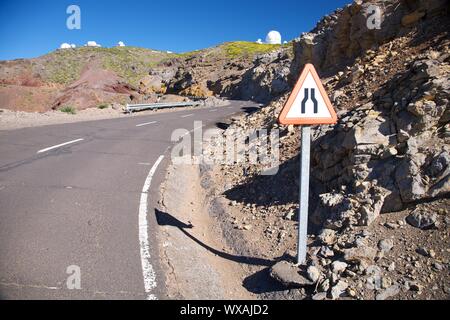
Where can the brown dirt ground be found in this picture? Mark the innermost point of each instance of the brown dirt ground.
(197, 261)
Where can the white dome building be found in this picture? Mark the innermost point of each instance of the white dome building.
(92, 44)
(259, 41)
(121, 44)
(65, 46)
(273, 37)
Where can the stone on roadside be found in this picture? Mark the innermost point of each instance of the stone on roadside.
(385, 245)
(327, 236)
(288, 275)
(338, 289)
(388, 293)
(326, 252)
(313, 273)
(351, 292)
(373, 280)
(290, 215)
(391, 267)
(391, 225)
(338, 266)
(386, 282)
(320, 296)
(363, 254)
(422, 220)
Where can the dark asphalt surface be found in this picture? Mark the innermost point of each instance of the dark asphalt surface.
(78, 204)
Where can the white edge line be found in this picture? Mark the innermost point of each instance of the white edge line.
(146, 123)
(187, 115)
(59, 145)
(147, 268)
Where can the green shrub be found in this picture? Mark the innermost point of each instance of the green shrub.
(247, 49)
(103, 106)
(68, 109)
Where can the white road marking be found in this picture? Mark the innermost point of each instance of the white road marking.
(147, 268)
(59, 145)
(18, 285)
(213, 110)
(146, 123)
(187, 115)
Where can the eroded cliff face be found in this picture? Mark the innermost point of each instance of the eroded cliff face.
(248, 76)
(342, 36)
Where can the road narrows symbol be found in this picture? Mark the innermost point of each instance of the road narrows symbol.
(313, 99)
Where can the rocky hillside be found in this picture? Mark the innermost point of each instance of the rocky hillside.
(380, 176)
(89, 77)
(81, 78)
(237, 70)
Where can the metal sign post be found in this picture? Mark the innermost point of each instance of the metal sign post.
(303, 194)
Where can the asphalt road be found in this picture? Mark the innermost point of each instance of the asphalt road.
(84, 205)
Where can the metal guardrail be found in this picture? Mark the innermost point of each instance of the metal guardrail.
(130, 108)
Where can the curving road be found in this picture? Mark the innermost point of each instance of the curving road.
(77, 195)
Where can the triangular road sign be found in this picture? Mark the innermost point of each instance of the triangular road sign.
(308, 102)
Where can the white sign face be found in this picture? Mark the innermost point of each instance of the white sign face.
(308, 102)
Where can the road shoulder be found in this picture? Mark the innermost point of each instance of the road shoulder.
(197, 260)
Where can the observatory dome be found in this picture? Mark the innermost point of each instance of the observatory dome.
(273, 37)
(65, 46)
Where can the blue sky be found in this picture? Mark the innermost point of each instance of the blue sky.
(30, 28)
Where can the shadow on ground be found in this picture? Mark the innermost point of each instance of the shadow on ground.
(249, 110)
(165, 219)
(259, 282)
(222, 125)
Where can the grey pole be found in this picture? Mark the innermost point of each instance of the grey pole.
(304, 193)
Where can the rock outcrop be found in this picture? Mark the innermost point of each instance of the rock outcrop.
(395, 148)
(259, 77)
(267, 79)
(347, 33)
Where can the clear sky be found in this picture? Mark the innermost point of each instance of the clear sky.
(30, 28)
